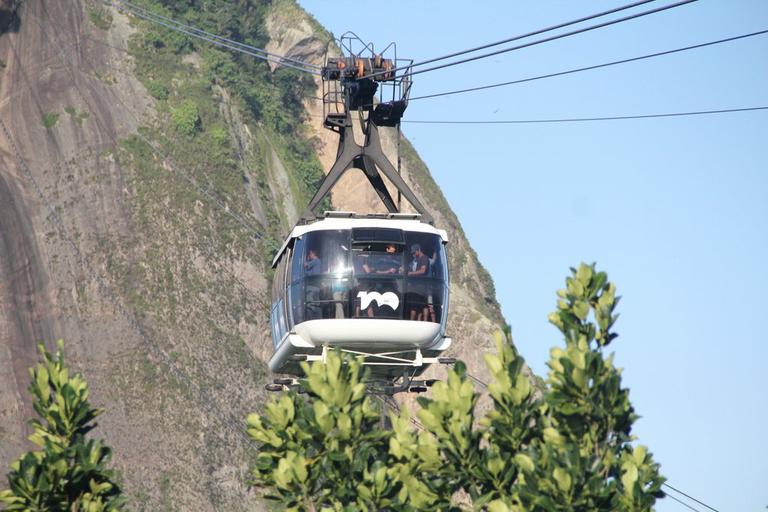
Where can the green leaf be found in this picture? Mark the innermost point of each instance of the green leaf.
(498, 506)
(524, 462)
(580, 309)
(639, 454)
(563, 479)
(628, 478)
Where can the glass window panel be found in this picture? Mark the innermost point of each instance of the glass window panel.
(327, 252)
(296, 294)
(377, 235)
(378, 259)
(378, 297)
(425, 300)
(424, 255)
(275, 326)
(326, 297)
(281, 318)
(438, 266)
(297, 260)
(360, 275)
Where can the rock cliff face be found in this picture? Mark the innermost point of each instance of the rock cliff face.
(146, 247)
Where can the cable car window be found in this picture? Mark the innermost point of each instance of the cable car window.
(378, 296)
(327, 252)
(281, 321)
(326, 274)
(296, 301)
(378, 291)
(378, 258)
(297, 260)
(363, 273)
(425, 269)
(274, 324)
(278, 279)
(377, 235)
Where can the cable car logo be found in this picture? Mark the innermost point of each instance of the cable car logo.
(382, 299)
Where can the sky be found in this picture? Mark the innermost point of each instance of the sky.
(674, 209)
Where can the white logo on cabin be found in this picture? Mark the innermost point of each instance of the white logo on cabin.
(382, 299)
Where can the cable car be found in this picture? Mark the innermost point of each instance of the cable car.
(373, 285)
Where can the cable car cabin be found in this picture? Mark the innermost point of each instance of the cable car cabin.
(371, 286)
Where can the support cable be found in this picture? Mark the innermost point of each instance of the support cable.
(689, 497)
(541, 41)
(590, 119)
(212, 40)
(681, 502)
(215, 36)
(523, 36)
(589, 68)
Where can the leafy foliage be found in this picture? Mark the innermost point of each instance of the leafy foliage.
(330, 452)
(177, 68)
(567, 448)
(68, 472)
(100, 17)
(50, 119)
(186, 117)
(157, 89)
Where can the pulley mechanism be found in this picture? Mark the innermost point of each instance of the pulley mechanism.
(365, 81)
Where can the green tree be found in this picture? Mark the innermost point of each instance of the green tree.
(564, 447)
(328, 452)
(68, 472)
(568, 448)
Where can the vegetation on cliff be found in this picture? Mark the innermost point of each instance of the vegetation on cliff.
(195, 84)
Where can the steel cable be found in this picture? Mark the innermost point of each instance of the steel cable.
(596, 66)
(213, 41)
(216, 36)
(545, 40)
(589, 119)
(518, 37)
(689, 497)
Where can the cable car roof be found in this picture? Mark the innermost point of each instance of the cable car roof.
(348, 220)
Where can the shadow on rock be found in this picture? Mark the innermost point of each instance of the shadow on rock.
(10, 21)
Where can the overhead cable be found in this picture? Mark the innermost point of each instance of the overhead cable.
(521, 36)
(552, 38)
(588, 119)
(589, 68)
(689, 497)
(215, 40)
(682, 502)
(215, 36)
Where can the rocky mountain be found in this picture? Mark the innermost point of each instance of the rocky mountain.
(145, 182)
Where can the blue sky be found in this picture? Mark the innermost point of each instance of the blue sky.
(675, 210)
